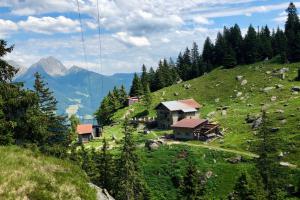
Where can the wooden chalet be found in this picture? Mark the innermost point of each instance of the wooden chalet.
(87, 132)
(195, 129)
(132, 100)
(170, 112)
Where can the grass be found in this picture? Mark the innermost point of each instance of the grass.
(29, 175)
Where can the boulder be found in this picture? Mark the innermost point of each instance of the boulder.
(239, 78)
(102, 194)
(279, 111)
(268, 72)
(296, 88)
(217, 100)
(273, 98)
(257, 122)
(279, 86)
(208, 174)
(153, 144)
(234, 160)
(223, 112)
(244, 82)
(284, 70)
(176, 94)
(238, 94)
(267, 89)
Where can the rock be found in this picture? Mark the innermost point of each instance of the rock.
(295, 93)
(153, 144)
(283, 121)
(274, 129)
(296, 88)
(257, 123)
(102, 194)
(224, 113)
(268, 72)
(234, 160)
(244, 82)
(279, 86)
(280, 154)
(250, 119)
(208, 174)
(284, 70)
(217, 100)
(238, 94)
(273, 98)
(176, 94)
(279, 111)
(215, 161)
(239, 78)
(267, 89)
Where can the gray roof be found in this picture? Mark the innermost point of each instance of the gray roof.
(176, 106)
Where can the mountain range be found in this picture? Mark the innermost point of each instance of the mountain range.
(78, 91)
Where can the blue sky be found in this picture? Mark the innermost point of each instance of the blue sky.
(134, 32)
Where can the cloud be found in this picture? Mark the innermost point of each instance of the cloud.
(202, 20)
(132, 40)
(7, 27)
(50, 25)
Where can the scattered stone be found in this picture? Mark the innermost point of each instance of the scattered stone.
(215, 161)
(279, 86)
(102, 194)
(238, 94)
(153, 144)
(234, 160)
(256, 123)
(274, 129)
(244, 82)
(208, 174)
(239, 78)
(217, 100)
(284, 70)
(283, 121)
(280, 154)
(224, 113)
(273, 98)
(176, 94)
(268, 72)
(295, 93)
(267, 89)
(296, 88)
(279, 111)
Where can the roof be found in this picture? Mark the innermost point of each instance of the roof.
(84, 129)
(188, 123)
(191, 102)
(187, 105)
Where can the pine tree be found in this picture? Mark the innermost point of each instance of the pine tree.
(152, 80)
(250, 46)
(208, 55)
(219, 50)
(265, 44)
(7, 72)
(195, 58)
(144, 78)
(115, 98)
(236, 43)
(186, 65)
(268, 162)
(292, 27)
(130, 184)
(74, 122)
(229, 60)
(248, 188)
(136, 87)
(147, 98)
(123, 96)
(104, 112)
(104, 164)
(279, 45)
(192, 188)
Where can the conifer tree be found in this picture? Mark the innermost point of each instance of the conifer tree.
(250, 46)
(136, 87)
(236, 43)
(74, 122)
(219, 50)
(123, 96)
(248, 188)
(130, 185)
(279, 45)
(265, 44)
(144, 78)
(292, 28)
(192, 188)
(208, 55)
(147, 99)
(229, 60)
(195, 58)
(273, 176)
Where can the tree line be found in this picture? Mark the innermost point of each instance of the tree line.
(230, 49)
(28, 117)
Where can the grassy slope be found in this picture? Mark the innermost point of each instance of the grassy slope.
(159, 166)
(28, 175)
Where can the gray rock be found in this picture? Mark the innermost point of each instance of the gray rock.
(257, 123)
(102, 194)
(224, 113)
(273, 98)
(296, 88)
(284, 70)
(239, 78)
(279, 111)
(235, 160)
(268, 72)
(238, 94)
(279, 86)
(217, 100)
(153, 144)
(267, 89)
(244, 82)
(176, 94)
(208, 174)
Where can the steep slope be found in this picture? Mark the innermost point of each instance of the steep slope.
(28, 175)
(260, 87)
(77, 90)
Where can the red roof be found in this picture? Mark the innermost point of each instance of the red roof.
(191, 102)
(84, 129)
(188, 123)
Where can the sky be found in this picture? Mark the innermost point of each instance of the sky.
(132, 32)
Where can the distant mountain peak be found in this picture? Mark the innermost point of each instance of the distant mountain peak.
(75, 69)
(51, 66)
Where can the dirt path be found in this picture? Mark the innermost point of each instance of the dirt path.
(242, 153)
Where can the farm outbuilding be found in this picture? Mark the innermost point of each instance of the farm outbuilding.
(87, 132)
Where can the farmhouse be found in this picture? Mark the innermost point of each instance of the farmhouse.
(87, 132)
(132, 100)
(195, 129)
(170, 112)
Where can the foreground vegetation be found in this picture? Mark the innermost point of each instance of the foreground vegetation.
(25, 174)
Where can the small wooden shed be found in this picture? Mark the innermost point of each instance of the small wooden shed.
(87, 132)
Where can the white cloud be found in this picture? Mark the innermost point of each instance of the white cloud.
(202, 20)
(7, 27)
(132, 40)
(50, 25)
